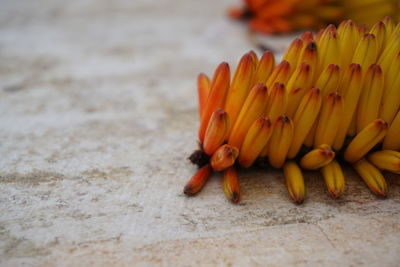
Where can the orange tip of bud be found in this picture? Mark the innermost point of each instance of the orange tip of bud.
(231, 185)
(216, 132)
(196, 183)
(224, 157)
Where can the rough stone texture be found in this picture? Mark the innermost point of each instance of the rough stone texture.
(98, 114)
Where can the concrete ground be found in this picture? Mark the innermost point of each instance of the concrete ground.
(97, 117)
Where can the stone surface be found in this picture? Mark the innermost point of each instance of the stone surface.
(98, 114)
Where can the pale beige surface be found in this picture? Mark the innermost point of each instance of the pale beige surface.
(98, 114)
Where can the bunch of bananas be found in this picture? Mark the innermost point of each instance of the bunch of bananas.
(279, 16)
(334, 97)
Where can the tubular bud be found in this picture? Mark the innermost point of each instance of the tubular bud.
(334, 178)
(231, 185)
(379, 31)
(328, 48)
(366, 52)
(280, 141)
(216, 98)
(224, 157)
(240, 86)
(388, 160)
(329, 120)
(328, 81)
(372, 177)
(317, 158)
(304, 118)
(255, 140)
(216, 132)
(392, 140)
(198, 180)
(348, 40)
(294, 181)
(390, 103)
(292, 53)
(264, 67)
(253, 108)
(365, 140)
(309, 54)
(203, 89)
(277, 101)
(370, 98)
(350, 90)
(280, 74)
(298, 84)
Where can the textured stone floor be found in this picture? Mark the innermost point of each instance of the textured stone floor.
(97, 116)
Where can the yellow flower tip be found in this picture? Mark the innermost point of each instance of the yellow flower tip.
(255, 140)
(231, 185)
(362, 29)
(264, 67)
(203, 89)
(354, 67)
(375, 69)
(253, 56)
(216, 132)
(292, 52)
(317, 158)
(307, 37)
(319, 34)
(335, 193)
(281, 74)
(224, 157)
(216, 99)
(277, 101)
(196, 183)
(348, 23)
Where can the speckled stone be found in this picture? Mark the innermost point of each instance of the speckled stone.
(98, 115)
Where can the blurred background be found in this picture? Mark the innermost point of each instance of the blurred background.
(98, 113)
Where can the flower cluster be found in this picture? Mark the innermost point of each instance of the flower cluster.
(334, 97)
(279, 16)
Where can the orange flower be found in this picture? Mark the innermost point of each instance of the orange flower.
(281, 16)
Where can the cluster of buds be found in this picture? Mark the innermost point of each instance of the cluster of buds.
(335, 97)
(279, 16)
